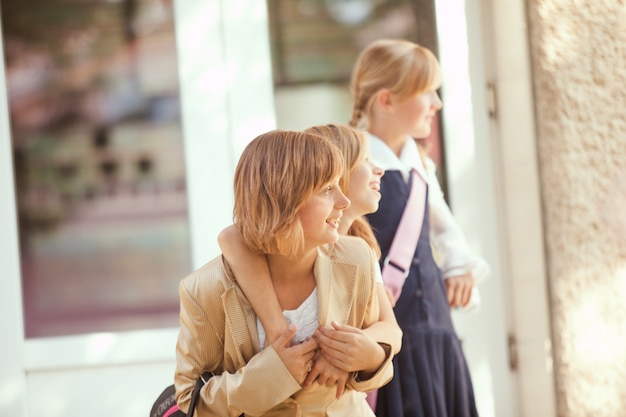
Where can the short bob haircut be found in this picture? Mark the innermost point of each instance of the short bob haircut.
(277, 173)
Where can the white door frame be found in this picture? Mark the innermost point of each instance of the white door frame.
(494, 192)
(474, 198)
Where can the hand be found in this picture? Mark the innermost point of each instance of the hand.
(459, 289)
(349, 349)
(326, 374)
(297, 358)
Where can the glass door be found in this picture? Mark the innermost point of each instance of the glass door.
(98, 163)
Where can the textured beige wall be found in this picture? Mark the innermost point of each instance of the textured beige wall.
(578, 51)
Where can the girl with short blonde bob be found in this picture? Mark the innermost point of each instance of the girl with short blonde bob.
(268, 195)
(287, 207)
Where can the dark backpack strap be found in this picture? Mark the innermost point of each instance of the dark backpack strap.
(203, 379)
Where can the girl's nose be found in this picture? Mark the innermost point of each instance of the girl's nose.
(378, 171)
(437, 101)
(342, 202)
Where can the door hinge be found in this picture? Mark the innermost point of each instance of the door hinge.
(492, 104)
(513, 353)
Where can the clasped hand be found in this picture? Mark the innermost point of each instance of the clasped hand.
(330, 356)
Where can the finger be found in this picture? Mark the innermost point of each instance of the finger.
(307, 370)
(284, 340)
(450, 291)
(309, 345)
(467, 295)
(454, 295)
(340, 388)
(327, 344)
(458, 292)
(327, 337)
(342, 380)
(344, 327)
(332, 348)
(460, 295)
(336, 338)
(310, 378)
(322, 379)
(309, 356)
(465, 291)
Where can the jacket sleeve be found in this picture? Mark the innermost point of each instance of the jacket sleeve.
(385, 372)
(200, 348)
(382, 376)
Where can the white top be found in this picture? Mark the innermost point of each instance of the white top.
(304, 317)
(446, 237)
(379, 275)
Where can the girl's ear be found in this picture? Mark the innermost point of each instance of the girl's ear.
(384, 100)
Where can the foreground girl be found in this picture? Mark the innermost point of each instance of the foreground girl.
(292, 217)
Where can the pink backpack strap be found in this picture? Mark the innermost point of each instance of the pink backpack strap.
(397, 264)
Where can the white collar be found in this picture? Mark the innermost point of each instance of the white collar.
(409, 158)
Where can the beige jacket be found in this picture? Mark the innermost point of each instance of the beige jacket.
(218, 333)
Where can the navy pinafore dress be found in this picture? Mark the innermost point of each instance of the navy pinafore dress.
(431, 378)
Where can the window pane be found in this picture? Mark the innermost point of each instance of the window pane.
(99, 166)
(319, 40)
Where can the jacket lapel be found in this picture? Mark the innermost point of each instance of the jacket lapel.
(336, 287)
(239, 315)
(334, 299)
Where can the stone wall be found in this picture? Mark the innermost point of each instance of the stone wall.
(579, 68)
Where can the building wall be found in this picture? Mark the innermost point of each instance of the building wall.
(578, 51)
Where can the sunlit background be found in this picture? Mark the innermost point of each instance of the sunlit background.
(121, 122)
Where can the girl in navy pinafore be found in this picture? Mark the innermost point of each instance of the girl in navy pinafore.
(432, 379)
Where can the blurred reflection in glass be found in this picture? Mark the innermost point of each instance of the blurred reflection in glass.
(99, 166)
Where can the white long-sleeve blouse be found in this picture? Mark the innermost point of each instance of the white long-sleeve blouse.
(453, 253)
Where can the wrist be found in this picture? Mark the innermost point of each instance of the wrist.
(383, 354)
(274, 330)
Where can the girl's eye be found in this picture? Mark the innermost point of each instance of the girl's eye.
(328, 190)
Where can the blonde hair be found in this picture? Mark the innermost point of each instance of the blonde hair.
(353, 146)
(400, 66)
(277, 172)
